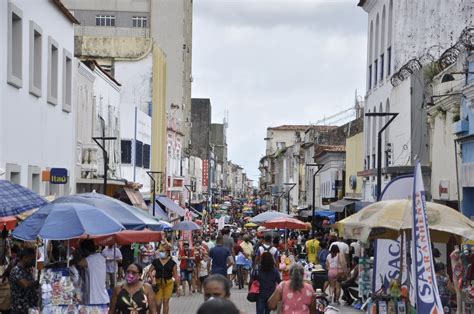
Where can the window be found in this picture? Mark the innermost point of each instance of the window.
(53, 57)
(105, 20)
(146, 156)
(15, 46)
(373, 161)
(370, 77)
(139, 21)
(67, 81)
(138, 154)
(375, 72)
(126, 151)
(381, 66)
(368, 162)
(389, 60)
(34, 178)
(36, 58)
(13, 173)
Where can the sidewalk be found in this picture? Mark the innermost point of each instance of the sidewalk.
(190, 303)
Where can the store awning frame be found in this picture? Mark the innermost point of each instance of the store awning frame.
(340, 205)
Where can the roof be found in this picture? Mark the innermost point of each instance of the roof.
(285, 127)
(65, 11)
(330, 149)
(92, 64)
(321, 128)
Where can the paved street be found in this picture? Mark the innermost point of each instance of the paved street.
(190, 303)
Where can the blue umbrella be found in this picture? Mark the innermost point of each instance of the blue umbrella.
(130, 217)
(66, 221)
(16, 199)
(186, 226)
(268, 215)
(165, 225)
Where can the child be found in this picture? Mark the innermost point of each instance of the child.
(204, 267)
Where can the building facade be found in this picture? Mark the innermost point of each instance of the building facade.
(37, 123)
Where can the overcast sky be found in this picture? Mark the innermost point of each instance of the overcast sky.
(273, 62)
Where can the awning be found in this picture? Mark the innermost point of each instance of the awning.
(307, 212)
(159, 212)
(168, 203)
(361, 204)
(135, 197)
(340, 205)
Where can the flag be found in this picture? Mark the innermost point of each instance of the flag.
(427, 298)
(387, 264)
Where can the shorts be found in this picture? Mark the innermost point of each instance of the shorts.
(202, 278)
(166, 289)
(186, 275)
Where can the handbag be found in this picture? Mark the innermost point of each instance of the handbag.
(5, 296)
(254, 288)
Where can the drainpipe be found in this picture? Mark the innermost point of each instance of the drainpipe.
(134, 148)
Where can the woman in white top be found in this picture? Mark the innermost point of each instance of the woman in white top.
(336, 272)
(203, 271)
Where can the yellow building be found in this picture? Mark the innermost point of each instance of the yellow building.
(354, 164)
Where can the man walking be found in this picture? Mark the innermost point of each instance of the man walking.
(113, 256)
(221, 258)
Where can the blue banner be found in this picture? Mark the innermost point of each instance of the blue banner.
(427, 295)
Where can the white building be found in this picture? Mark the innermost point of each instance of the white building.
(37, 122)
(403, 36)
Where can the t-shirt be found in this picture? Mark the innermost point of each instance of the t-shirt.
(247, 247)
(219, 255)
(357, 248)
(312, 248)
(296, 302)
(22, 298)
(333, 261)
(111, 260)
(95, 279)
(343, 247)
(228, 242)
(203, 268)
(183, 264)
(268, 282)
(267, 248)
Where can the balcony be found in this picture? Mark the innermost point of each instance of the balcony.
(111, 31)
(460, 126)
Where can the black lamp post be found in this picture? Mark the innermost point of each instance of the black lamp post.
(291, 185)
(313, 206)
(150, 174)
(105, 156)
(393, 115)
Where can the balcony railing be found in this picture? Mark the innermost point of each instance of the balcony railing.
(111, 31)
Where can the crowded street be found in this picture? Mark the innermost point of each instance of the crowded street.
(236, 156)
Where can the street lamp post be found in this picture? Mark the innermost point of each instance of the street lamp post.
(291, 185)
(150, 174)
(190, 188)
(105, 156)
(393, 115)
(313, 206)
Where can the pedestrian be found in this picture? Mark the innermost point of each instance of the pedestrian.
(445, 286)
(335, 272)
(95, 270)
(351, 282)
(113, 257)
(218, 306)
(221, 258)
(24, 288)
(268, 277)
(227, 241)
(312, 249)
(134, 296)
(186, 267)
(323, 253)
(147, 255)
(216, 286)
(267, 247)
(203, 270)
(296, 295)
(164, 269)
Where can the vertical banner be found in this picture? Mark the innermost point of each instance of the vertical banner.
(423, 274)
(387, 264)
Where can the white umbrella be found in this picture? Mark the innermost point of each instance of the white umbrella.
(268, 215)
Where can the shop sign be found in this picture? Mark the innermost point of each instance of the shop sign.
(443, 189)
(205, 172)
(58, 176)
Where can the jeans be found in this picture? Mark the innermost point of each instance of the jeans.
(262, 307)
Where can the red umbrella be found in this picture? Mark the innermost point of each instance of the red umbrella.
(126, 237)
(285, 223)
(9, 222)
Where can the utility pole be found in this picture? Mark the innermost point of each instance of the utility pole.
(292, 185)
(104, 154)
(393, 115)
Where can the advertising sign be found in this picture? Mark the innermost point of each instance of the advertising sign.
(58, 176)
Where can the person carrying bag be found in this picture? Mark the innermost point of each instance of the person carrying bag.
(254, 286)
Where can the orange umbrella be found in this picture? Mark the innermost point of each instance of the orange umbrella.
(9, 222)
(126, 237)
(285, 223)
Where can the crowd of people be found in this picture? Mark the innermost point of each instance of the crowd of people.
(292, 269)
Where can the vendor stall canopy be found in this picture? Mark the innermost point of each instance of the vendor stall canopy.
(16, 199)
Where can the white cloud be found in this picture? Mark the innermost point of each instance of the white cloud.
(275, 62)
